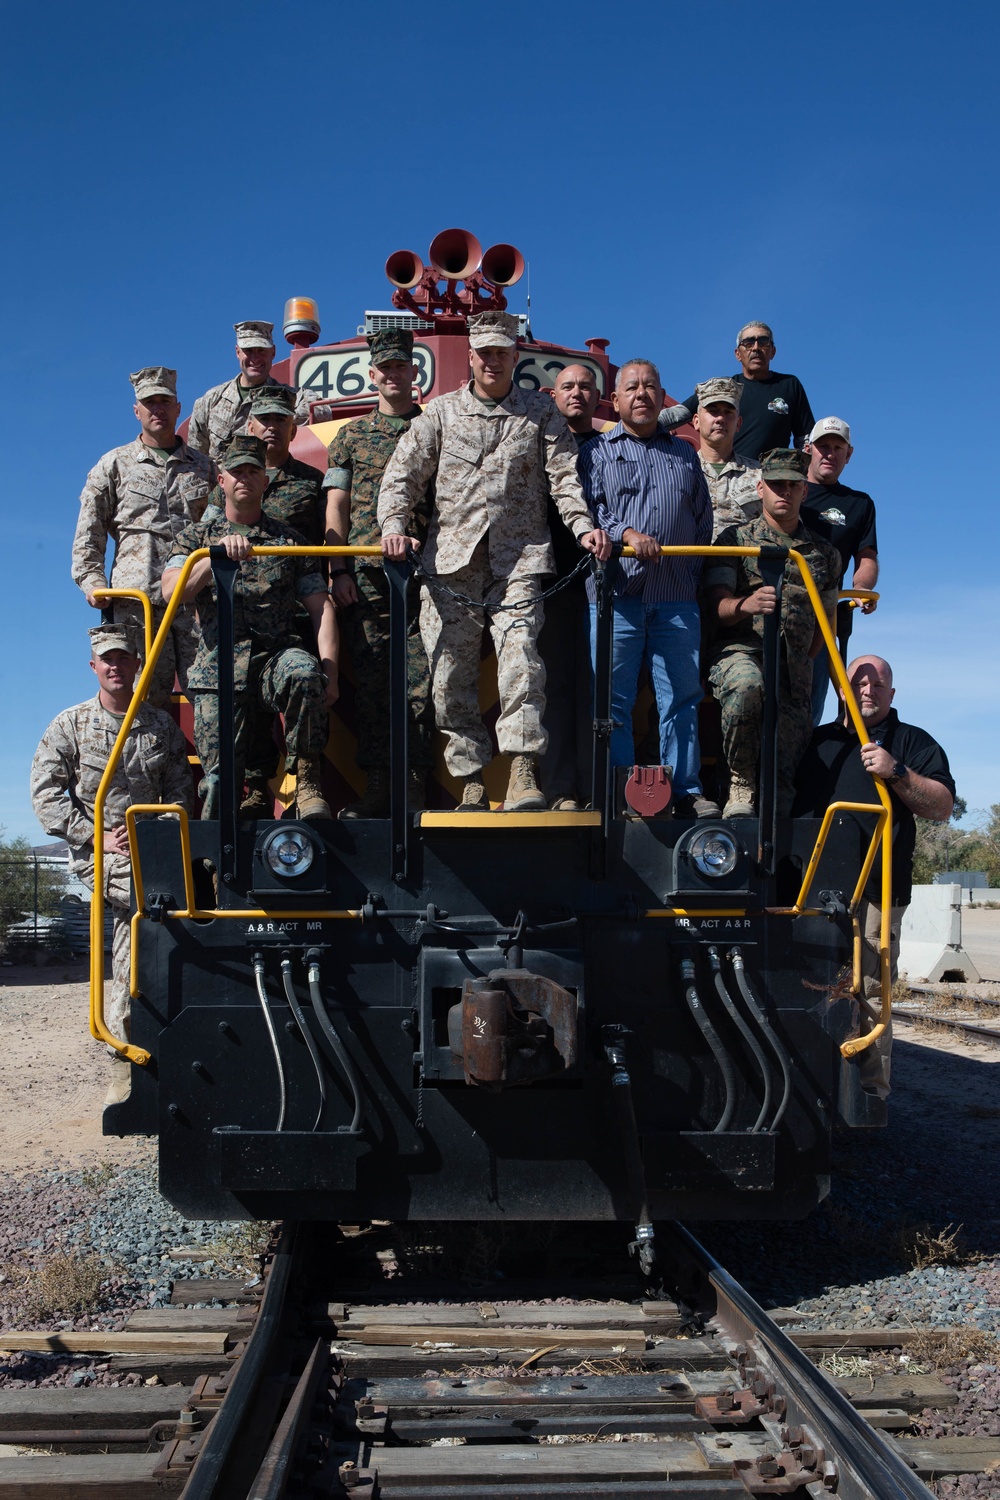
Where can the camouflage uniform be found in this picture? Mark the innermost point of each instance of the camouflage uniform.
(733, 490)
(736, 671)
(358, 457)
(493, 466)
(65, 775)
(222, 414)
(272, 671)
(142, 501)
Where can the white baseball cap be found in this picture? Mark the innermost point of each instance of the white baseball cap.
(830, 427)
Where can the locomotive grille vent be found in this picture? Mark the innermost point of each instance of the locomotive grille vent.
(376, 321)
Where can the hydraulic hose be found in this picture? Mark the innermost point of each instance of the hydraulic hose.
(258, 970)
(307, 1036)
(747, 1035)
(340, 1051)
(711, 1036)
(757, 1011)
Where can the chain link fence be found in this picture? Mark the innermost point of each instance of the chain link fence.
(44, 910)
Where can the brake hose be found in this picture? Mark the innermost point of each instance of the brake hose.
(711, 1036)
(758, 1014)
(258, 970)
(745, 1032)
(307, 1036)
(341, 1052)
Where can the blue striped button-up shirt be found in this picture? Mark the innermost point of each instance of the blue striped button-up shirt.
(656, 486)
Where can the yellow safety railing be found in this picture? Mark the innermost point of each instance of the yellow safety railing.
(147, 612)
(98, 1026)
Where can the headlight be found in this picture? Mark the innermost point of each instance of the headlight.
(714, 852)
(288, 851)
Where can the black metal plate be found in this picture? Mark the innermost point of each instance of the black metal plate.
(265, 1161)
(702, 1159)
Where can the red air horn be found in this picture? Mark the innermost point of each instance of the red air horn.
(503, 265)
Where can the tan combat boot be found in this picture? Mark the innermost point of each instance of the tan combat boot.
(740, 804)
(474, 798)
(121, 1082)
(258, 802)
(309, 799)
(523, 792)
(375, 802)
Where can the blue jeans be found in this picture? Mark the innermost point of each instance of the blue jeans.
(667, 637)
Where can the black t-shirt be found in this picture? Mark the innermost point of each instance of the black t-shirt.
(564, 544)
(846, 518)
(831, 771)
(775, 412)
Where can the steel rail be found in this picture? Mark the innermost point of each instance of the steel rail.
(208, 1473)
(276, 1472)
(936, 1020)
(869, 1469)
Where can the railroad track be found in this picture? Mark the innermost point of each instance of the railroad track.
(393, 1392)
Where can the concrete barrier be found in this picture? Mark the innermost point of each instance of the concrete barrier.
(930, 946)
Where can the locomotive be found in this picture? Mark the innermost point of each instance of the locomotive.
(609, 1014)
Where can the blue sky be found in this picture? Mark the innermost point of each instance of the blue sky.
(669, 172)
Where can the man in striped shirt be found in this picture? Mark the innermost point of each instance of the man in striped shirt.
(647, 491)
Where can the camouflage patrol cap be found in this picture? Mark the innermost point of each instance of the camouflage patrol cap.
(245, 450)
(105, 638)
(271, 398)
(254, 335)
(784, 463)
(154, 380)
(724, 388)
(493, 330)
(389, 344)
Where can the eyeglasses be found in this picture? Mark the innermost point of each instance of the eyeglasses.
(759, 340)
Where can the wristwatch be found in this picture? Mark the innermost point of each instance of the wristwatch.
(899, 772)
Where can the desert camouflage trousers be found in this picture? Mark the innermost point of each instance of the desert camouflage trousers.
(366, 625)
(118, 896)
(452, 634)
(737, 678)
(289, 683)
(177, 656)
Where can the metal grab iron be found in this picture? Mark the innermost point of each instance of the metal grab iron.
(514, 1027)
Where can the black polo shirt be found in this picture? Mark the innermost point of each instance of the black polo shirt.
(831, 771)
(775, 412)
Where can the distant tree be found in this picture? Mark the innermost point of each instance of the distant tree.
(21, 877)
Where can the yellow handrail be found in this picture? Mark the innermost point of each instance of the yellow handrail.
(98, 1027)
(147, 611)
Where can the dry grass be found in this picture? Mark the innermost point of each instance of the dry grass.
(938, 1348)
(239, 1249)
(66, 1284)
(97, 1176)
(920, 1246)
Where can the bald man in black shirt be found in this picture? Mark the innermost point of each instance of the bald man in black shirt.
(835, 768)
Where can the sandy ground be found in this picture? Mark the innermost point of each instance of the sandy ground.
(981, 939)
(53, 1075)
